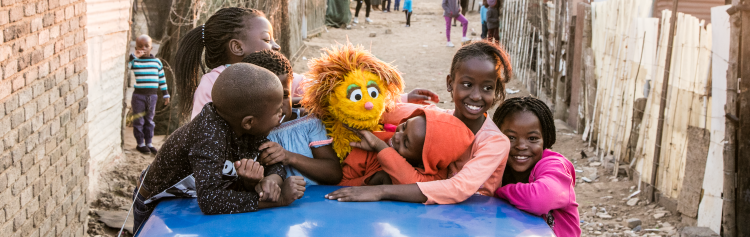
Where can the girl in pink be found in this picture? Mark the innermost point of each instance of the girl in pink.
(476, 82)
(537, 179)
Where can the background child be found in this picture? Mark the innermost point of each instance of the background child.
(395, 5)
(476, 82)
(298, 139)
(419, 151)
(228, 36)
(537, 179)
(367, 11)
(493, 21)
(407, 11)
(451, 10)
(483, 18)
(209, 158)
(149, 79)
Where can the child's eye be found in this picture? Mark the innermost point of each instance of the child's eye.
(488, 88)
(533, 139)
(511, 138)
(466, 84)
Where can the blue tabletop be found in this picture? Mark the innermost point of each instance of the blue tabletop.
(313, 215)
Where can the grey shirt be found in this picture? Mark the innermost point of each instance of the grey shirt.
(451, 8)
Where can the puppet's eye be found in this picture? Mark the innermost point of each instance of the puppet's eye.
(356, 95)
(373, 91)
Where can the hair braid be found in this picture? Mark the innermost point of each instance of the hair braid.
(530, 104)
(489, 51)
(220, 28)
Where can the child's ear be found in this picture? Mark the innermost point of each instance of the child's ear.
(235, 48)
(449, 83)
(247, 122)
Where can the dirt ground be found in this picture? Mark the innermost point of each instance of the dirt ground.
(419, 52)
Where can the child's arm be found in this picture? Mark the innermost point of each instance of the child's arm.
(358, 167)
(324, 167)
(163, 84)
(402, 172)
(548, 192)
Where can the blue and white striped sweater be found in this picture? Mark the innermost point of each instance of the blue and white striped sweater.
(149, 76)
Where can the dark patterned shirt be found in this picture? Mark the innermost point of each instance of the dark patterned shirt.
(197, 160)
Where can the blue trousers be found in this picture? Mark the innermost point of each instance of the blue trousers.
(395, 4)
(143, 109)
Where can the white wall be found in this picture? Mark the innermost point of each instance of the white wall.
(107, 38)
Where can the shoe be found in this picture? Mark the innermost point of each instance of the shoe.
(153, 150)
(356, 21)
(450, 44)
(454, 24)
(143, 149)
(368, 20)
(407, 26)
(465, 39)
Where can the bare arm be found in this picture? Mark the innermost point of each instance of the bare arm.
(404, 193)
(324, 167)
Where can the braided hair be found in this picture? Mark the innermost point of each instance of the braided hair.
(489, 51)
(223, 26)
(271, 60)
(530, 104)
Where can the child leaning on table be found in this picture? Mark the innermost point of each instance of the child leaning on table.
(212, 157)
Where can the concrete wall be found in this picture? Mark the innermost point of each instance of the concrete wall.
(44, 159)
(107, 38)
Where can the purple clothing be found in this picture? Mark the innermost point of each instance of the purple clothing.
(143, 109)
(451, 8)
(460, 18)
(550, 190)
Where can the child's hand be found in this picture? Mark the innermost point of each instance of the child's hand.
(369, 142)
(422, 96)
(268, 189)
(139, 53)
(357, 194)
(380, 177)
(250, 172)
(273, 153)
(166, 101)
(292, 189)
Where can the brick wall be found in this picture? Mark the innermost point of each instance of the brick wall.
(43, 173)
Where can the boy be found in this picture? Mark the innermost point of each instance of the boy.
(211, 157)
(419, 151)
(149, 78)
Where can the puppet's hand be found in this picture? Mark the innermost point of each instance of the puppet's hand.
(422, 96)
(357, 194)
(369, 142)
(380, 177)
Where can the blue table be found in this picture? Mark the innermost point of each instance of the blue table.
(313, 215)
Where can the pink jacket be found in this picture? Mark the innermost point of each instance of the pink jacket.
(479, 170)
(551, 188)
(202, 94)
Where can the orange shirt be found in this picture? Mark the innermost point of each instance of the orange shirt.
(479, 170)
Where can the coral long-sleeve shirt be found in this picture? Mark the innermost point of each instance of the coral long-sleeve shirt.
(551, 189)
(479, 170)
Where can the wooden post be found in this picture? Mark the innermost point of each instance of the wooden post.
(742, 50)
(663, 102)
(558, 50)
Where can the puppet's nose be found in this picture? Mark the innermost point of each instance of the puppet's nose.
(368, 105)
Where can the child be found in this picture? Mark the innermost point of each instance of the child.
(228, 36)
(407, 11)
(298, 139)
(419, 151)
(483, 19)
(537, 179)
(386, 5)
(209, 158)
(493, 21)
(476, 82)
(367, 11)
(149, 79)
(451, 10)
(395, 4)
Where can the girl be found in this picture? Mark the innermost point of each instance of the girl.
(537, 179)
(367, 11)
(228, 36)
(407, 11)
(476, 82)
(451, 10)
(493, 20)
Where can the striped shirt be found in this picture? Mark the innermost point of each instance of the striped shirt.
(149, 76)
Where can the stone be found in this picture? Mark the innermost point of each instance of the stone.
(595, 164)
(632, 223)
(590, 172)
(387, 32)
(587, 180)
(597, 232)
(604, 216)
(373, 34)
(692, 231)
(114, 219)
(637, 228)
(659, 215)
(632, 202)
